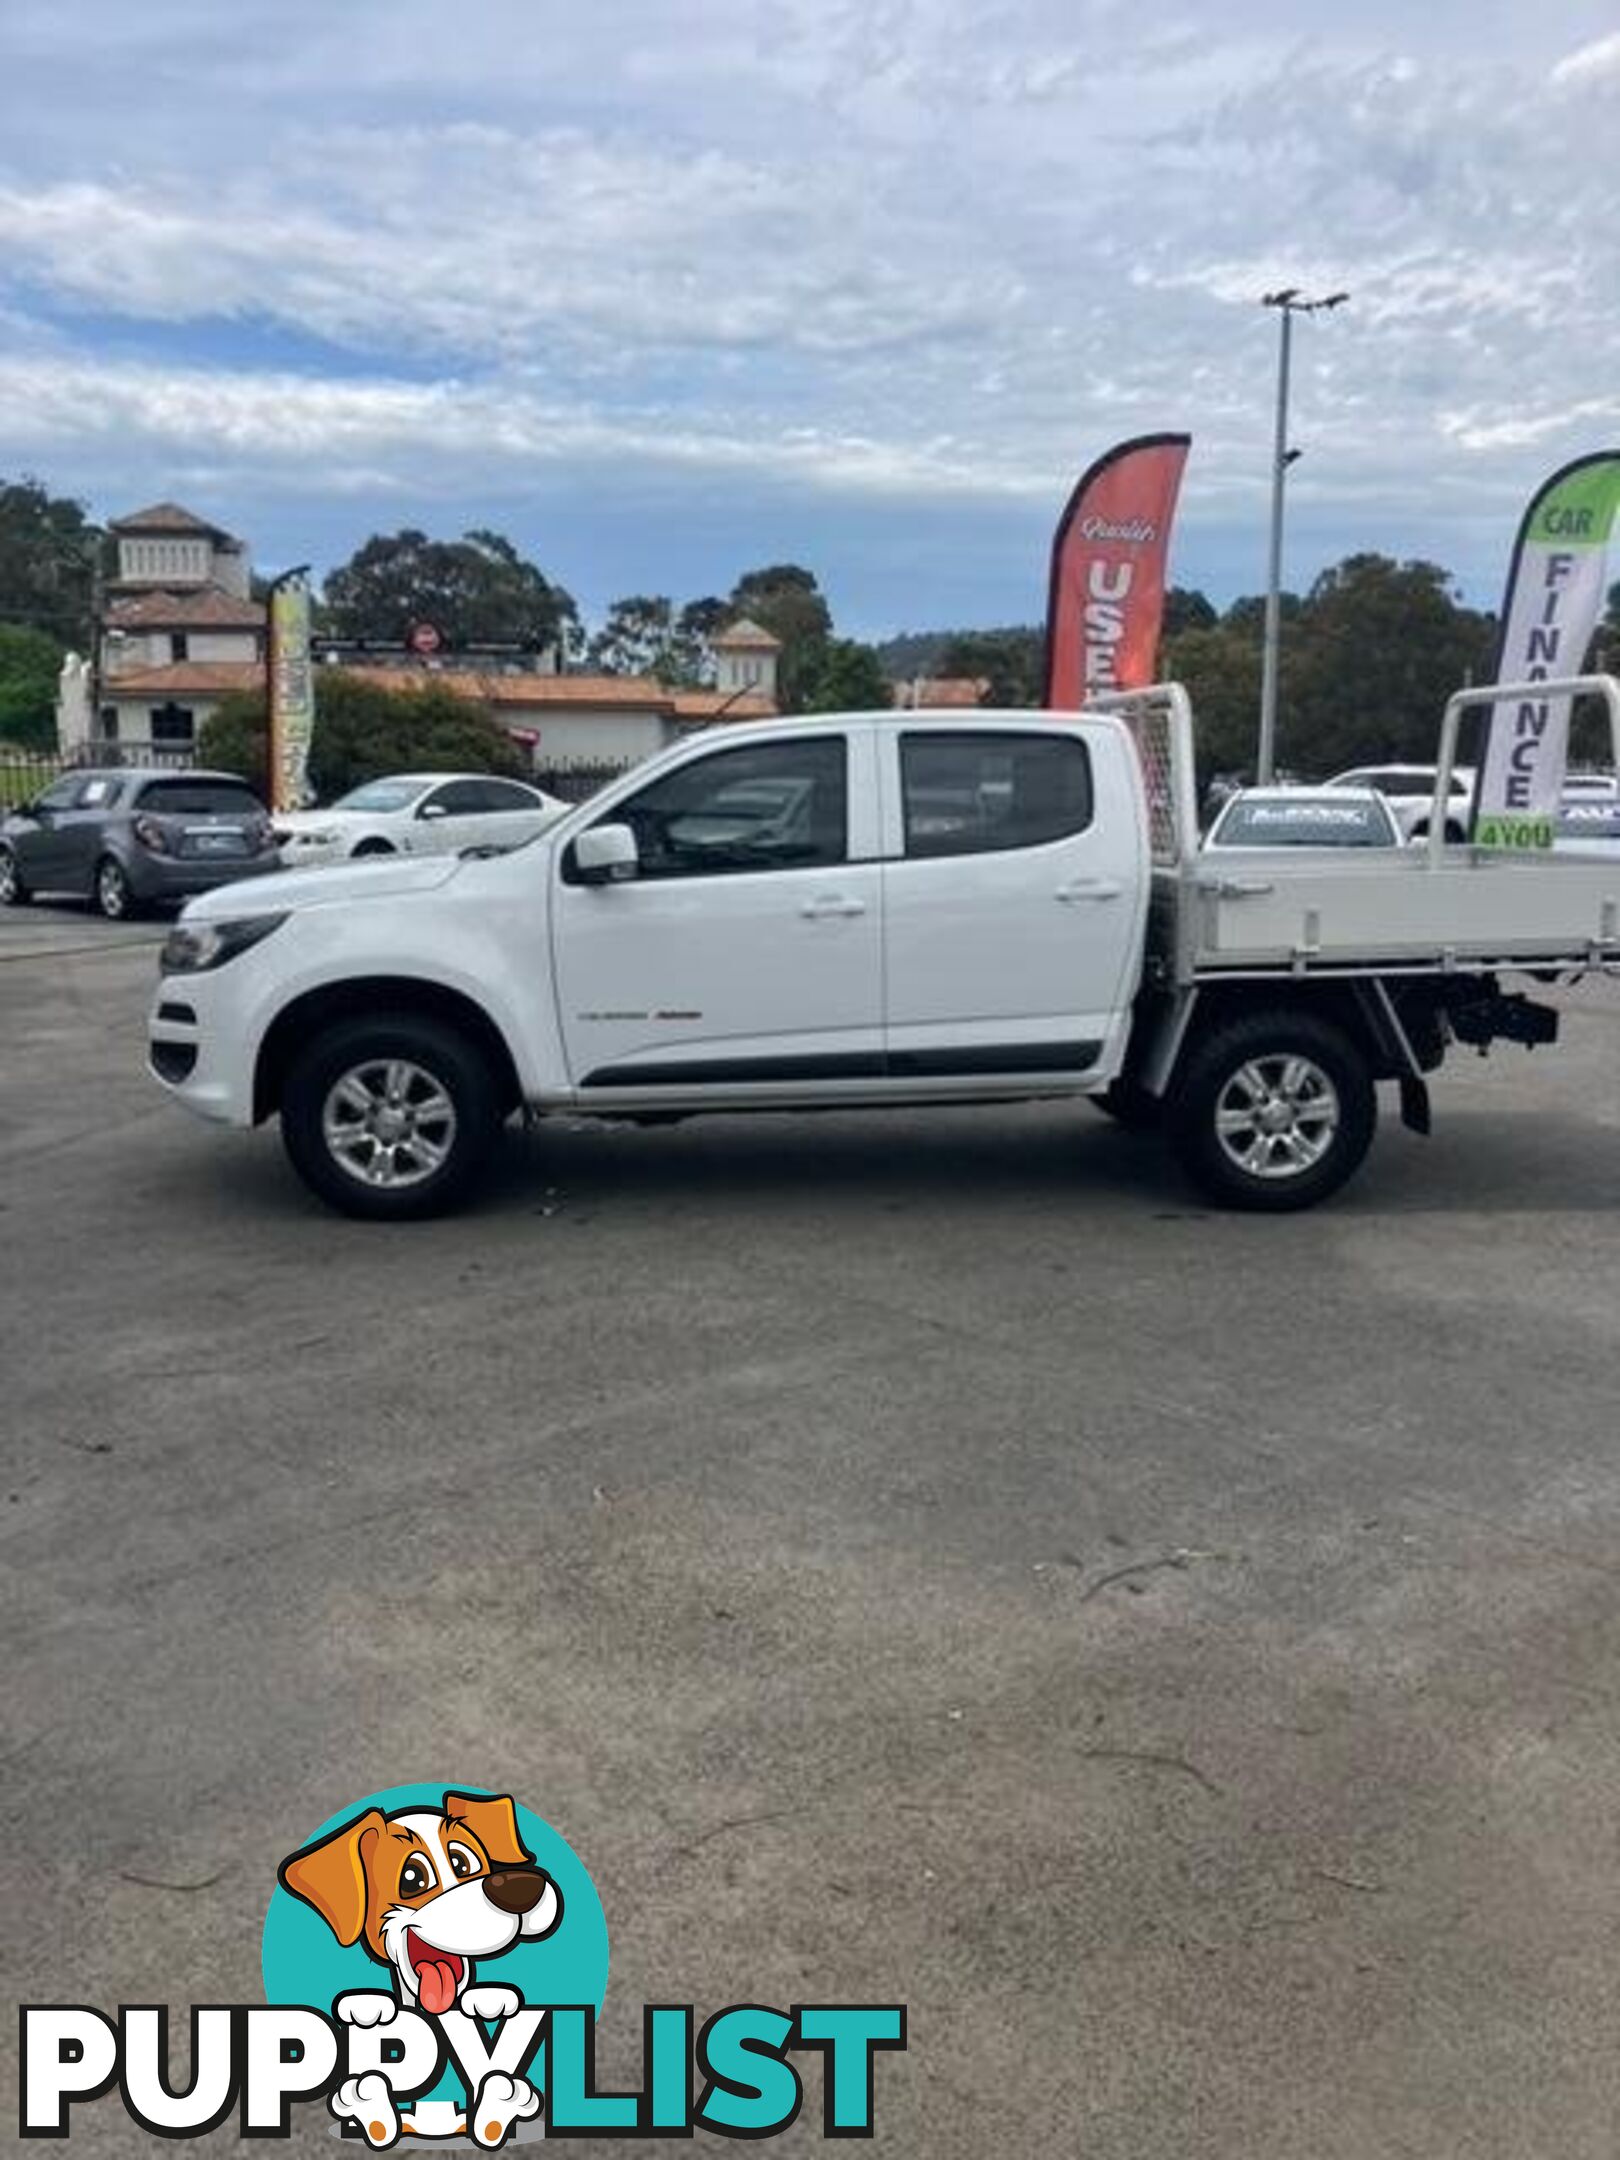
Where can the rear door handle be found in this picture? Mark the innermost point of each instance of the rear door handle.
(1089, 888)
(826, 905)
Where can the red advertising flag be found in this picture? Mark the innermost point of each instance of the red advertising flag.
(1108, 571)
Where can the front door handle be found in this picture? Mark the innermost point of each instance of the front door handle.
(826, 905)
(1089, 888)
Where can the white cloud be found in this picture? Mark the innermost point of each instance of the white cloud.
(1590, 63)
(925, 250)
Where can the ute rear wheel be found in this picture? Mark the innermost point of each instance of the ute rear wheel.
(1274, 1111)
(391, 1117)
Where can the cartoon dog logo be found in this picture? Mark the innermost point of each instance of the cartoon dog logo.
(427, 1891)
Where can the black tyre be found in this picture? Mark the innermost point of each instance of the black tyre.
(374, 847)
(13, 891)
(391, 1117)
(109, 891)
(1274, 1111)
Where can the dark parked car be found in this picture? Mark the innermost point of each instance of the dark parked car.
(126, 837)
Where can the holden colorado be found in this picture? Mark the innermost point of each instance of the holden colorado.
(868, 911)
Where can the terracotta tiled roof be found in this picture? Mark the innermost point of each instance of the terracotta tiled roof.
(711, 705)
(202, 607)
(167, 517)
(605, 693)
(745, 636)
(941, 691)
(195, 678)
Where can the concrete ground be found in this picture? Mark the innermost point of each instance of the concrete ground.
(928, 1558)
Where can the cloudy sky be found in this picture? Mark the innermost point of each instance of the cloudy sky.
(666, 288)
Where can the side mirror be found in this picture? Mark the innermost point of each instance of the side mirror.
(432, 809)
(606, 855)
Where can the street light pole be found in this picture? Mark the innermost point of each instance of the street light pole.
(1288, 304)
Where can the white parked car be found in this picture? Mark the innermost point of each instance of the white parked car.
(1589, 817)
(1409, 791)
(418, 814)
(1304, 817)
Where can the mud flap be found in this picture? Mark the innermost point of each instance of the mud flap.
(1415, 1114)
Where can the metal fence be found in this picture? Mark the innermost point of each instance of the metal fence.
(26, 773)
(575, 778)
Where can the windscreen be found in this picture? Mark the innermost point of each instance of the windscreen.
(381, 795)
(1312, 821)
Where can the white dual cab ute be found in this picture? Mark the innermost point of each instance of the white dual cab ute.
(868, 911)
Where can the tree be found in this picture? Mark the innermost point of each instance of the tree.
(1187, 610)
(30, 661)
(363, 731)
(1013, 662)
(637, 638)
(1372, 656)
(1221, 669)
(49, 556)
(785, 599)
(477, 589)
(851, 680)
(1247, 617)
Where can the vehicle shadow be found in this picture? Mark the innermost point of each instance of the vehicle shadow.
(749, 1165)
(953, 1162)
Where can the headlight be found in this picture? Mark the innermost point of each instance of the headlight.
(324, 838)
(189, 948)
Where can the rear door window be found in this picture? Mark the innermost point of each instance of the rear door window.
(458, 798)
(968, 794)
(199, 798)
(507, 795)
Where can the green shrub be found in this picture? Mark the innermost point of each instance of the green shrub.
(363, 731)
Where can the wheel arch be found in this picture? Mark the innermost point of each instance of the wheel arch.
(372, 996)
(1346, 1004)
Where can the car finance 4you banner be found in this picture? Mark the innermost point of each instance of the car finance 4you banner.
(435, 1959)
(1554, 597)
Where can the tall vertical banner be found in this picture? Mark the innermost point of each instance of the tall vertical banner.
(1105, 603)
(1554, 597)
(292, 695)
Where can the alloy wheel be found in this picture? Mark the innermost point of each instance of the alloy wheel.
(388, 1123)
(1277, 1116)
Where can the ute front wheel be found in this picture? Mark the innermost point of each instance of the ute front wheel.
(391, 1118)
(1274, 1111)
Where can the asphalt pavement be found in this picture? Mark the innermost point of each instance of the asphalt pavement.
(927, 1558)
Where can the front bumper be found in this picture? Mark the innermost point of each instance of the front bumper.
(177, 877)
(195, 1047)
(299, 852)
